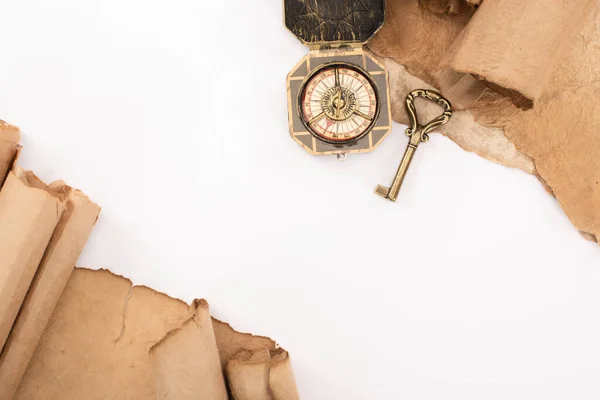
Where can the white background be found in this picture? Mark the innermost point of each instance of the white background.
(173, 117)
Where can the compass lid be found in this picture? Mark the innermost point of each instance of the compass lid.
(334, 21)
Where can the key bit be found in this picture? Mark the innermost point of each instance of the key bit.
(417, 133)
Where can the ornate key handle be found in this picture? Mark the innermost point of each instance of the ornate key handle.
(418, 133)
(431, 125)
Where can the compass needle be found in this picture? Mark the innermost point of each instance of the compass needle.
(316, 118)
(363, 115)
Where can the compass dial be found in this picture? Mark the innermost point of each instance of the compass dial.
(339, 103)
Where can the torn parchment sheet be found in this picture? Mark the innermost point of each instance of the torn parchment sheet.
(29, 213)
(67, 242)
(9, 146)
(559, 132)
(103, 323)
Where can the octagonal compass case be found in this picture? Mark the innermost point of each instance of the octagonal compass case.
(338, 95)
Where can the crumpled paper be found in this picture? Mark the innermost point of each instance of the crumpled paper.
(555, 75)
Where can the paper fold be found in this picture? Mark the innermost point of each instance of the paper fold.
(29, 213)
(9, 147)
(186, 362)
(60, 257)
(515, 45)
(262, 374)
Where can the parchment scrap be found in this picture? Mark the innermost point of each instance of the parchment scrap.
(9, 146)
(248, 375)
(58, 262)
(230, 342)
(186, 361)
(487, 142)
(29, 212)
(563, 155)
(516, 44)
(281, 377)
(96, 343)
(417, 38)
(262, 374)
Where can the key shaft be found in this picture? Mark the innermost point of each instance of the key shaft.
(391, 193)
(418, 133)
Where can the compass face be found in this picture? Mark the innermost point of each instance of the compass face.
(339, 103)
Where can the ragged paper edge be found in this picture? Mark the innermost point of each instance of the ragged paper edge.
(9, 148)
(464, 130)
(230, 341)
(66, 244)
(41, 373)
(262, 374)
(424, 57)
(29, 215)
(122, 321)
(461, 129)
(507, 66)
(186, 361)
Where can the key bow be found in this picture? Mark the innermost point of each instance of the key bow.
(415, 126)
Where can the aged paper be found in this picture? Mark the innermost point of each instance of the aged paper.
(97, 342)
(262, 374)
(29, 213)
(559, 132)
(230, 342)
(9, 145)
(486, 141)
(516, 44)
(65, 246)
(186, 361)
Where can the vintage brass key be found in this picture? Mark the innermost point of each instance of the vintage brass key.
(418, 133)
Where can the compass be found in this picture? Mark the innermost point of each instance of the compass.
(339, 103)
(338, 95)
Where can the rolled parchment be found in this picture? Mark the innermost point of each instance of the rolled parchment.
(29, 213)
(186, 362)
(65, 246)
(230, 341)
(262, 374)
(515, 45)
(9, 146)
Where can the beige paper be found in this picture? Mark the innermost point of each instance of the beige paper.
(29, 213)
(97, 341)
(186, 362)
(9, 145)
(230, 342)
(558, 134)
(449, 7)
(58, 262)
(281, 377)
(262, 374)
(418, 39)
(488, 142)
(516, 44)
